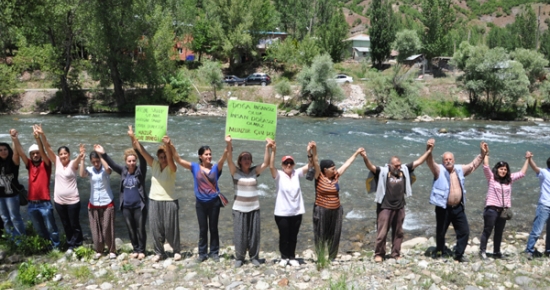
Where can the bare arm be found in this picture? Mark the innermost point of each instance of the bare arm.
(526, 163)
(78, 159)
(137, 145)
(17, 146)
(348, 162)
(429, 148)
(434, 168)
(272, 161)
(82, 171)
(529, 157)
(166, 140)
(49, 151)
(43, 154)
(472, 166)
(222, 160)
(265, 164)
(314, 160)
(106, 166)
(15, 157)
(186, 164)
(367, 162)
(230, 163)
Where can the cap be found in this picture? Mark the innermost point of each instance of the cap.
(33, 147)
(287, 157)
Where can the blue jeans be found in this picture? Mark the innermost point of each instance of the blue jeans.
(541, 217)
(43, 221)
(9, 210)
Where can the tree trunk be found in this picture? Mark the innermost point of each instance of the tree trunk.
(117, 84)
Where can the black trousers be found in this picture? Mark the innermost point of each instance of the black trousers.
(457, 216)
(491, 220)
(208, 214)
(136, 219)
(70, 218)
(289, 226)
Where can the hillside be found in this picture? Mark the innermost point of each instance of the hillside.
(473, 12)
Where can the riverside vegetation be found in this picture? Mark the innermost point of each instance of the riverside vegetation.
(354, 270)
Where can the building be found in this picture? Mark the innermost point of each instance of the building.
(359, 46)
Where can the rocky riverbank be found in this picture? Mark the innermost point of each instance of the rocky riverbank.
(355, 270)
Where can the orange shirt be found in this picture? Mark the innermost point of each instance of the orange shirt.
(327, 192)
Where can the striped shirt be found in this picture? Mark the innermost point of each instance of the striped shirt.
(497, 190)
(326, 192)
(246, 190)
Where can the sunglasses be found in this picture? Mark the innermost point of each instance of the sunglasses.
(288, 163)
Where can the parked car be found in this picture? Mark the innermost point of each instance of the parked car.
(258, 79)
(232, 80)
(342, 78)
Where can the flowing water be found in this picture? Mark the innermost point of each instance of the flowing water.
(336, 139)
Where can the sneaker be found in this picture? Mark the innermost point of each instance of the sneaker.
(238, 263)
(529, 256)
(97, 256)
(69, 252)
(483, 255)
(201, 258)
(177, 256)
(256, 262)
(141, 256)
(133, 255)
(215, 257)
(461, 259)
(294, 263)
(112, 256)
(156, 258)
(283, 263)
(378, 259)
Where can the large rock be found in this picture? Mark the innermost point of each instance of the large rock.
(418, 241)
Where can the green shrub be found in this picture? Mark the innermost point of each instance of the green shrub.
(31, 274)
(444, 108)
(27, 245)
(84, 252)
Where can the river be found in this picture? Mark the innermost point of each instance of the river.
(336, 139)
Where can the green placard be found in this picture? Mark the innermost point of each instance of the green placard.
(151, 123)
(251, 120)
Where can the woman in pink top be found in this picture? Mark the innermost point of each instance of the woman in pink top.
(499, 196)
(66, 197)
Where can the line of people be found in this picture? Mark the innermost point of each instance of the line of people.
(391, 183)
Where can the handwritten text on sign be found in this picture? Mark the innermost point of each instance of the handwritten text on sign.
(250, 120)
(151, 123)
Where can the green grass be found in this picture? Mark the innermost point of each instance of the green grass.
(32, 274)
(84, 252)
(81, 273)
(442, 108)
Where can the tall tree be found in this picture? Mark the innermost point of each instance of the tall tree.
(333, 34)
(438, 18)
(407, 43)
(295, 16)
(381, 31)
(525, 28)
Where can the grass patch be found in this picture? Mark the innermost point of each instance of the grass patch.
(6, 285)
(323, 261)
(81, 273)
(127, 267)
(443, 108)
(31, 274)
(84, 252)
(340, 284)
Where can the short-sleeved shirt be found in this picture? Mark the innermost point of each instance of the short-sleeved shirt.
(327, 192)
(65, 190)
(163, 183)
(39, 181)
(204, 188)
(131, 197)
(395, 189)
(100, 186)
(289, 201)
(246, 190)
(544, 178)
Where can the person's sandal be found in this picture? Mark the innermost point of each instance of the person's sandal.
(141, 256)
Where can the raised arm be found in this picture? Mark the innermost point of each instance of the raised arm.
(171, 164)
(17, 148)
(312, 158)
(368, 164)
(529, 157)
(49, 151)
(82, 171)
(81, 156)
(526, 163)
(99, 149)
(272, 160)
(348, 162)
(186, 164)
(105, 165)
(315, 159)
(138, 147)
(45, 158)
(264, 164)
(472, 166)
(230, 163)
(434, 168)
(222, 159)
(429, 148)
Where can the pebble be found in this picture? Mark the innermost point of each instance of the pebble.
(106, 286)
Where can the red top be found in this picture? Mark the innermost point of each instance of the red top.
(39, 181)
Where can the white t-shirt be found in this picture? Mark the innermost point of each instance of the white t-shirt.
(289, 201)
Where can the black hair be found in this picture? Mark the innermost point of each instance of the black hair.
(10, 151)
(94, 154)
(64, 148)
(506, 179)
(7, 164)
(548, 162)
(202, 150)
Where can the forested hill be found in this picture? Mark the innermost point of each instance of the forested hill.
(474, 13)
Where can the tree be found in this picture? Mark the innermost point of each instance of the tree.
(407, 43)
(525, 28)
(545, 43)
(438, 18)
(332, 35)
(179, 87)
(501, 37)
(381, 32)
(494, 81)
(533, 63)
(211, 73)
(295, 16)
(7, 83)
(202, 38)
(318, 85)
(292, 52)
